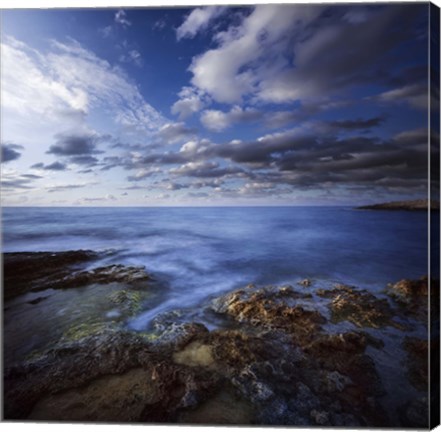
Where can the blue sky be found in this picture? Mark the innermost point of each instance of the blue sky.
(260, 105)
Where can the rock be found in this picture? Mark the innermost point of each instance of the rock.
(103, 372)
(176, 336)
(270, 309)
(416, 413)
(359, 307)
(305, 282)
(336, 382)
(105, 275)
(224, 408)
(195, 354)
(26, 271)
(405, 290)
(113, 398)
(320, 417)
(81, 356)
(412, 296)
(129, 301)
(37, 271)
(276, 361)
(422, 205)
(417, 361)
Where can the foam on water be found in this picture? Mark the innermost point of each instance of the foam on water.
(199, 252)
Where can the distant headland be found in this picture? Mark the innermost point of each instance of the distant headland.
(422, 204)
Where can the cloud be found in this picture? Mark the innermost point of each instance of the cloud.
(225, 73)
(175, 132)
(191, 100)
(55, 166)
(105, 32)
(143, 174)
(121, 18)
(159, 25)
(73, 145)
(68, 186)
(205, 169)
(68, 82)
(12, 181)
(198, 20)
(218, 121)
(285, 53)
(132, 56)
(10, 153)
(84, 160)
(358, 123)
(416, 95)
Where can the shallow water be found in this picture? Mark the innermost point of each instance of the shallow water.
(201, 252)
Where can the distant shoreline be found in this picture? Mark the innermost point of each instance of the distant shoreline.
(415, 205)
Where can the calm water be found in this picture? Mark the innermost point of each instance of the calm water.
(200, 252)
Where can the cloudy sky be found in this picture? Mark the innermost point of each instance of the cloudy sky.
(260, 105)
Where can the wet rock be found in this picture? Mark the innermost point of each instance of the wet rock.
(412, 296)
(305, 283)
(270, 309)
(105, 275)
(26, 271)
(336, 382)
(80, 357)
(195, 354)
(415, 414)
(223, 408)
(113, 398)
(176, 336)
(278, 362)
(320, 417)
(417, 361)
(38, 300)
(359, 307)
(405, 290)
(128, 301)
(37, 271)
(96, 369)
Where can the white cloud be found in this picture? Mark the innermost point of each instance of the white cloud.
(415, 95)
(249, 52)
(174, 132)
(215, 120)
(105, 32)
(64, 85)
(218, 120)
(198, 20)
(192, 148)
(133, 56)
(191, 100)
(121, 18)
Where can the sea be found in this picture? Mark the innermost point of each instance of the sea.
(201, 252)
(196, 254)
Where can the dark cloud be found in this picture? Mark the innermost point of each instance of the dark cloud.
(66, 187)
(84, 160)
(12, 181)
(206, 169)
(336, 54)
(10, 153)
(358, 123)
(75, 145)
(55, 166)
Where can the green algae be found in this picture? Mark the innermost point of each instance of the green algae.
(130, 301)
(84, 330)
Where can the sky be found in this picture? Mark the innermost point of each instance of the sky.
(297, 104)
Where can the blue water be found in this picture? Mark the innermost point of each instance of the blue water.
(200, 252)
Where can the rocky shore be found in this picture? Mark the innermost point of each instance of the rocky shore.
(415, 205)
(299, 355)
